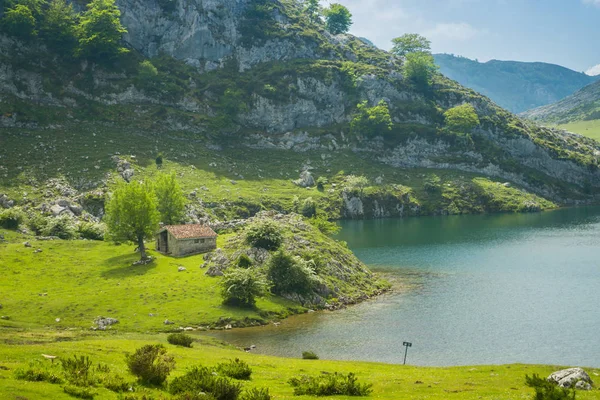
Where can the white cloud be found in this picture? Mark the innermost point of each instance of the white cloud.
(592, 2)
(595, 70)
(452, 31)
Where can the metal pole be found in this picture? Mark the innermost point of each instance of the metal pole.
(405, 353)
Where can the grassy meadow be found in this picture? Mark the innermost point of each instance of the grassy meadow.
(590, 129)
(19, 347)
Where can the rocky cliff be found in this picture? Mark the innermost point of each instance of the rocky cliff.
(259, 71)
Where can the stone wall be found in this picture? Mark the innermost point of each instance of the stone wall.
(182, 247)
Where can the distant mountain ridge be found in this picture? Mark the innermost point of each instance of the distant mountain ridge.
(516, 86)
(584, 105)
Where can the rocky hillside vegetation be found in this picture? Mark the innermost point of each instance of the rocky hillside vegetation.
(204, 81)
(515, 86)
(583, 105)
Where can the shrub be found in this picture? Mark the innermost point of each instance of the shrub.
(77, 370)
(326, 227)
(309, 207)
(242, 286)
(371, 121)
(61, 227)
(356, 183)
(19, 21)
(461, 119)
(116, 383)
(38, 372)
(256, 394)
(419, 68)
(236, 369)
(309, 355)
(180, 339)
(91, 230)
(159, 160)
(546, 390)
(37, 223)
(79, 392)
(201, 379)
(291, 274)
(330, 384)
(244, 261)
(321, 182)
(265, 235)
(432, 184)
(11, 218)
(151, 364)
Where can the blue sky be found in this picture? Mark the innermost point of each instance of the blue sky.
(564, 32)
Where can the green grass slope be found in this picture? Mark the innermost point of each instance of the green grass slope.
(590, 128)
(20, 347)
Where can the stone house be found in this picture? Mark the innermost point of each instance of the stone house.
(183, 240)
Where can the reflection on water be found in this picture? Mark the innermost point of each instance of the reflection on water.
(473, 290)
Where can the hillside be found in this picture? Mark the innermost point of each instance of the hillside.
(584, 105)
(516, 86)
(252, 79)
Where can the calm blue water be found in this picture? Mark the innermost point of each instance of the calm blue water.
(485, 289)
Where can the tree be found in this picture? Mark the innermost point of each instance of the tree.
(337, 19)
(131, 214)
(241, 286)
(58, 26)
(100, 31)
(20, 22)
(170, 199)
(461, 119)
(356, 183)
(371, 121)
(291, 274)
(410, 43)
(312, 9)
(419, 68)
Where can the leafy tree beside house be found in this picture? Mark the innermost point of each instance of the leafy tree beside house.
(131, 214)
(170, 199)
(338, 19)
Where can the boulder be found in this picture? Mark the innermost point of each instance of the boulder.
(5, 202)
(181, 269)
(105, 322)
(571, 377)
(306, 180)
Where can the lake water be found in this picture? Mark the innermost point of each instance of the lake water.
(479, 289)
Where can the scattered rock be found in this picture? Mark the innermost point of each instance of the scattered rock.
(5, 202)
(27, 244)
(181, 269)
(37, 251)
(145, 261)
(57, 320)
(571, 377)
(228, 326)
(105, 322)
(151, 315)
(5, 317)
(306, 180)
(167, 322)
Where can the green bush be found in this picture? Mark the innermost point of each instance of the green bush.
(321, 182)
(236, 369)
(309, 355)
(61, 227)
(159, 160)
(201, 379)
(116, 383)
(330, 384)
(244, 261)
(462, 118)
(79, 392)
(37, 223)
(291, 274)
(19, 21)
(264, 234)
(151, 364)
(242, 286)
(77, 370)
(91, 230)
(371, 121)
(326, 227)
(546, 390)
(256, 394)
(180, 339)
(39, 372)
(309, 207)
(11, 218)
(432, 184)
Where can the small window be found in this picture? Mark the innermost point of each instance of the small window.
(196, 240)
(201, 240)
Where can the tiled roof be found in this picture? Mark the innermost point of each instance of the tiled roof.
(191, 231)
